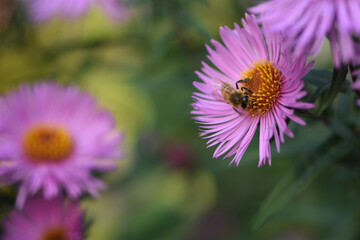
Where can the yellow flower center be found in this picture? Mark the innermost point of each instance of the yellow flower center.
(55, 234)
(47, 144)
(265, 83)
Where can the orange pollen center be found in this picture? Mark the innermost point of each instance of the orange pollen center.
(265, 83)
(47, 144)
(55, 234)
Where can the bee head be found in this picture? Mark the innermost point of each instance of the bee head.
(245, 101)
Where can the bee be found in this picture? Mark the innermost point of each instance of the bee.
(225, 92)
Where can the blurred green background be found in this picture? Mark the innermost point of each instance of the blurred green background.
(169, 186)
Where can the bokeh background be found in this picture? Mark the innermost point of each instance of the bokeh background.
(169, 186)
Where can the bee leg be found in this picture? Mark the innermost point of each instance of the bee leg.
(241, 81)
(245, 80)
(236, 110)
(242, 89)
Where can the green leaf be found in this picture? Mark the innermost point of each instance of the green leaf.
(343, 110)
(318, 92)
(345, 132)
(346, 228)
(338, 79)
(319, 78)
(301, 176)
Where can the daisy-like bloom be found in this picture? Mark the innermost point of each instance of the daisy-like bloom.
(44, 10)
(273, 86)
(304, 24)
(56, 219)
(53, 138)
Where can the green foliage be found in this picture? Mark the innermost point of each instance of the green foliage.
(338, 79)
(304, 172)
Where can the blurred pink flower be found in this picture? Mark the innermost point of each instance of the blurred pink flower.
(44, 10)
(276, 86)
(46, 220)
(53, 137)
(304, 24)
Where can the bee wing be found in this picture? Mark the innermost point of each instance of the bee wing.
(219, 89)
(217, 83)
(217, 95)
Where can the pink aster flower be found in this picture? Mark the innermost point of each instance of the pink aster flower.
(44, 10)
(271, 81)
(53, 138)
(305, 23)
(46, 220)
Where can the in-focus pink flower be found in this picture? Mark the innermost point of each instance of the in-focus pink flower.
(274, 82)
(53, 138)
(42, 219)
(44, 10)
(304, 24)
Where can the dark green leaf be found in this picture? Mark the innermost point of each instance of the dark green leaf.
(338, 79)
(294, 182)
(319, 78)
(318, 92)
(347, 227)
(345, 132)
(343, 108)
